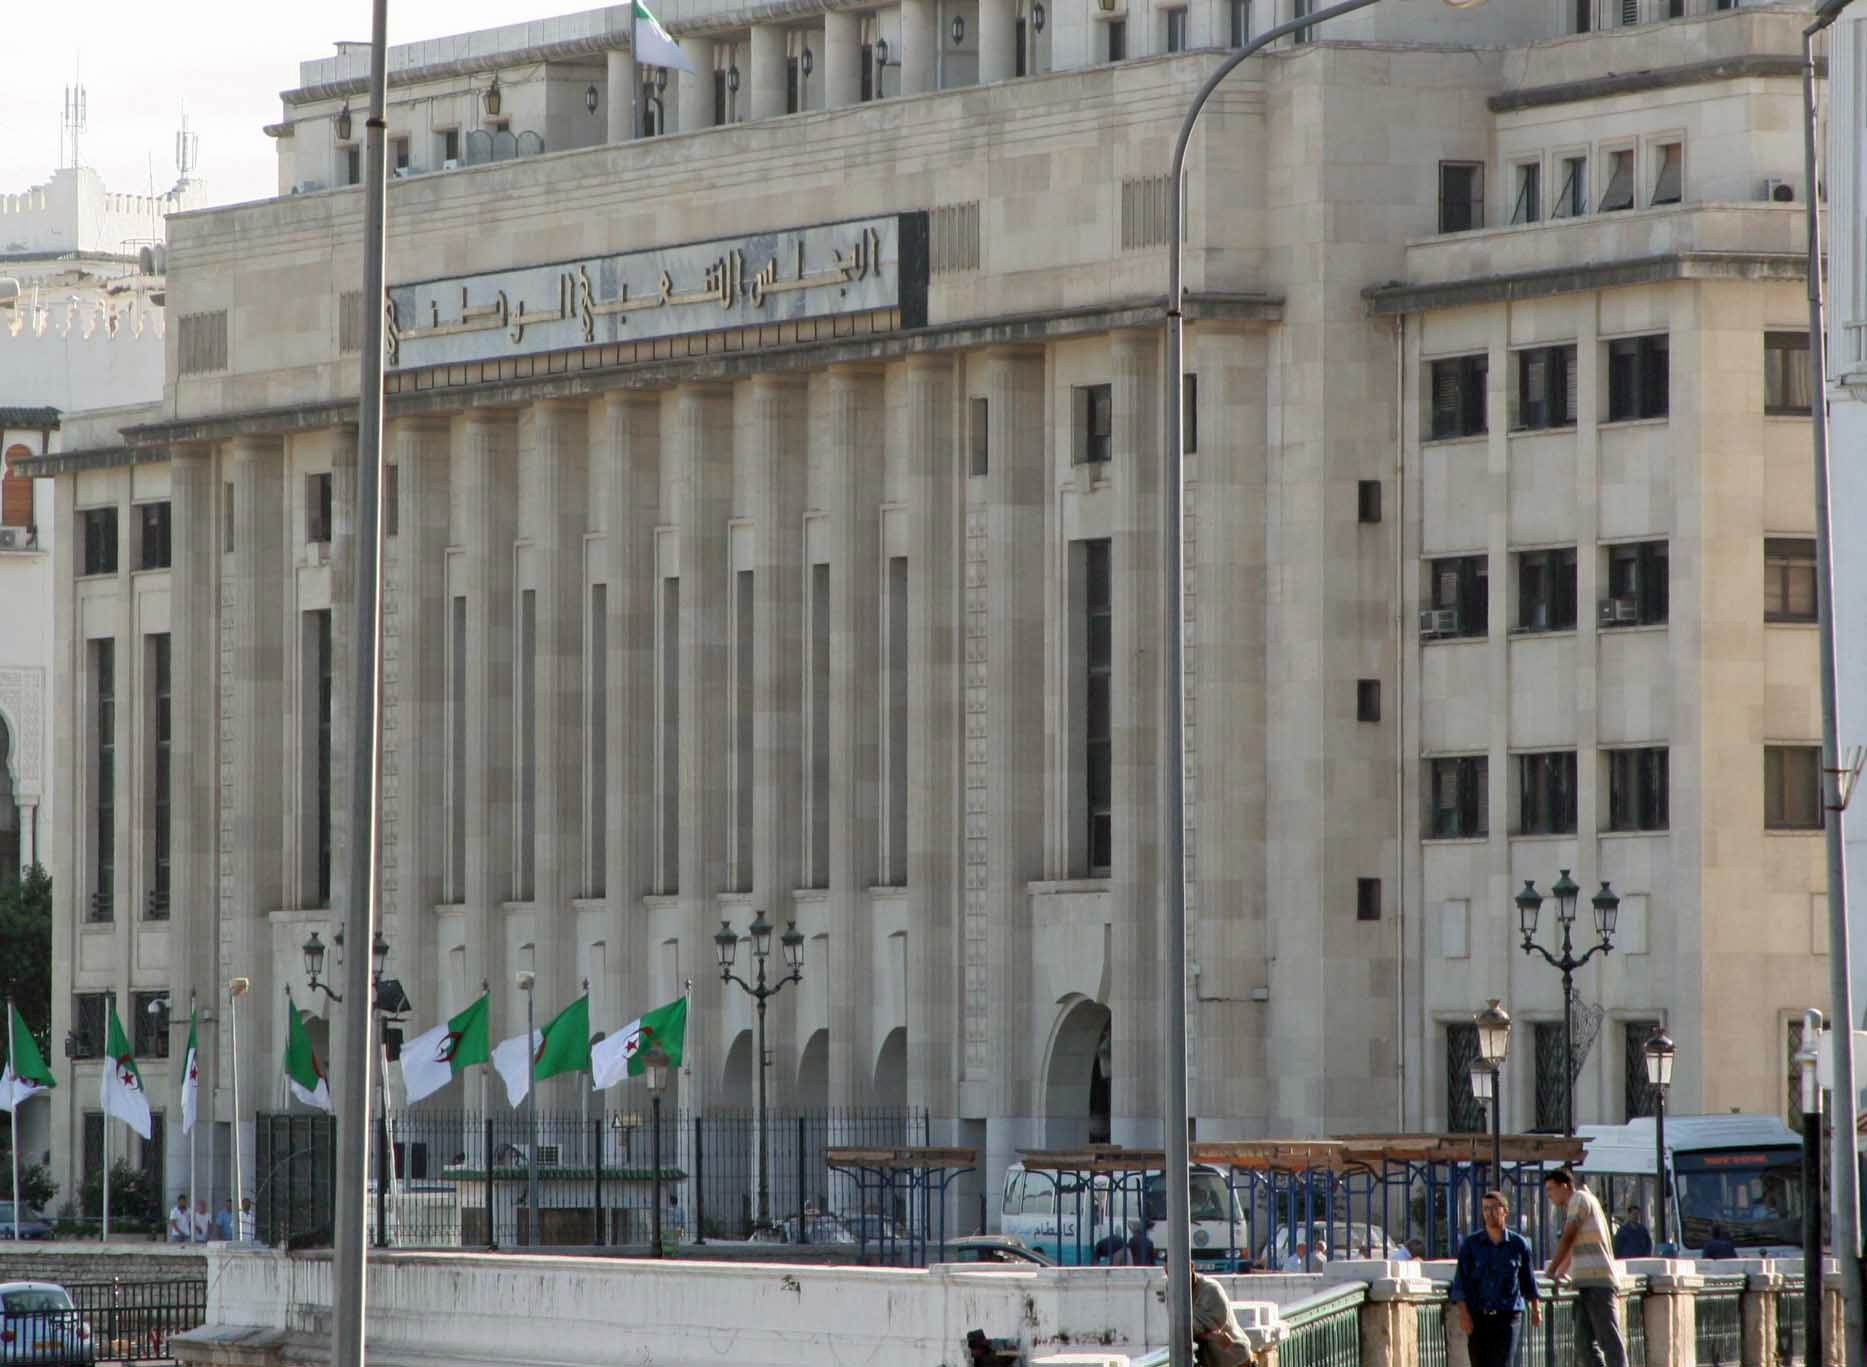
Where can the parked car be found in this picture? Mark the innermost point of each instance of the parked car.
(39, 1326)
(823, 1228)
(996, 1249)
(32, 1225)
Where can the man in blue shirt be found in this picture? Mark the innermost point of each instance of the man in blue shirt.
(1493, 1281)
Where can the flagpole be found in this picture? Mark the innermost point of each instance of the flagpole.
(12, 1106)
(186, 1064)
(110, 1007)
(635, 75)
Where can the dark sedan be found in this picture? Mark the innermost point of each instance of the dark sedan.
(31, 1224)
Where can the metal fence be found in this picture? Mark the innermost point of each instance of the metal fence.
(134, 1321)
(1324, 1331)
(1792, 1327)
(463, 1178)
(1720, 1329)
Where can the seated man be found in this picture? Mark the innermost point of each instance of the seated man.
(1217, 1339)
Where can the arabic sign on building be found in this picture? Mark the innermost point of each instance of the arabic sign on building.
(775, 277)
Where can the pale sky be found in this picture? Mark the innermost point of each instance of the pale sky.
(223, 62)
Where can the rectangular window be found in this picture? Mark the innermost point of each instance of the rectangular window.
(1675, 9)
(1584, 15)
(1458, 799)
(1545, 388)
(979, 435)
(819, 726)
(1619, 193)
(1789, 589)
(596, 703)
(867, 94)
(318, 507)
(668, 779)
(793, 85)
(226, 518)
(391, 500)
(1095, 423)
(457, 750)
(1458, 597)
(104, 798)
(353, 165)
(1638, 585)
(398, 154)
(1189, 416)
(1552, 1061)
(1176, 30)
(1638, 1096)
(1792, 787)
(1458, 396)
(1546, 793)
(1546, 590)
(1465, 1114)
(320, 663)
(744, 732)
(1022, 55)
(151, 1024)
(1118, 39)
(895, 869)
(1302, 9)
(450, 145)
(1098, 703)
(1367, 899)
(1527, 207)
(1461, 196)
(1241, 21)
(1786, 384)
(88, 1016)
(1669, 176)
(1367, 700)
(1630, 13)
(155, 535)
(98, 529)
(1367, 500)
(1637, 789)
(1639, 372)
(525, 696)
(719, 86)
(1572, 186)
(160, 775)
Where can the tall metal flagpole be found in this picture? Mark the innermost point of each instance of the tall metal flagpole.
(12, 1106)
(353, 1095)
(110, 1006)
(194, 1127)
(635, 76)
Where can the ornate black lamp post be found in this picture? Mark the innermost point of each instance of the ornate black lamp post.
(1607, 912)
(1487, 1076)
(1659, 1051)
(728, 943)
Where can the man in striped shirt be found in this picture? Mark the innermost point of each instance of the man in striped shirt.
(1586, 1251)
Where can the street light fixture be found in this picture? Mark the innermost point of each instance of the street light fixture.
(1493, 1048)
(493, 97)
(726, 941)
(589, 99)
(1173, 615)
(343, 123)
(1659, 1052)
(655, 1061)
(1607, 909)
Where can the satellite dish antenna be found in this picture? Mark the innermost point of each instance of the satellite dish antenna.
(187, 150)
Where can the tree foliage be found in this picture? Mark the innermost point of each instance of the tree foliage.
(26, 951)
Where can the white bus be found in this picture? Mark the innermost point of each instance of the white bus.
(1077, 1218)
(1738, 1173)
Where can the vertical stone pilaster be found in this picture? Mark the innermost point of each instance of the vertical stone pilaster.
(1138, 889)
(632, 446)
(855, 484)
(700, 449)
(693, 90)
(934, 745)
(842, 59)
(998, 36)
(766, 74)
(1005, 728)
(920, 44)
(619, 97)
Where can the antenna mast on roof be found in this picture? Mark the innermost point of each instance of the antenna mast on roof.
(73, 122)
(187, 150)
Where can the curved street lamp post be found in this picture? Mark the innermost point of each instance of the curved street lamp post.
(1607, 912)
(727, 942)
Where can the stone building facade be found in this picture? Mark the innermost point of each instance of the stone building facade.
(775, 523)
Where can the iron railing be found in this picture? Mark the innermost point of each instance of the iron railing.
(461, 1179)
(1720, 1329)
(1792, 1326)
(1429, 1318)
(134, 1321)
(1324, 1331)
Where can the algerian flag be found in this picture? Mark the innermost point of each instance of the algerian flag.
(563, 1046)
(302, 1070)
(191, 1077)
(123, 1094)
(430, 1061)
(25, 1074)
(652, 44)
(626, 1050)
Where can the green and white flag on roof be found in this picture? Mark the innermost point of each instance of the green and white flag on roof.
(652, 43)
(122, 1092)
(430, 1061)
(303, 1073)
(25, 1074)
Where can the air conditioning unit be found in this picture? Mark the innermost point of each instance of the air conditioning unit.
(12, 539)
(1779, 191)
(451, 164)
(1619, 611)
(1439, 622)
(548, 1156)
(403, 172)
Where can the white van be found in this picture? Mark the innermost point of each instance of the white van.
(1075, 1218)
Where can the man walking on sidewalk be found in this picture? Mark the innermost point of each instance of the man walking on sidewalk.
(1492, 1284)
(1587, 1249)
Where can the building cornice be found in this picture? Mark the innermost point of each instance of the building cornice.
(150, 442)
(563, 50)
(1390, 299)
(1752, 65)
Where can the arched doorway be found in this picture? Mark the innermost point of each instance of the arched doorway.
(1076, 1081)
(736, 1080)
(891, 1071)
(813, 1072)
(9, 812)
